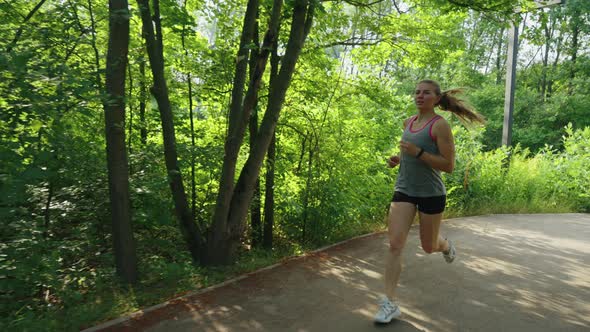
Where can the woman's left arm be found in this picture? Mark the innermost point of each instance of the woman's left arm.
(446, 147)
(445, 161)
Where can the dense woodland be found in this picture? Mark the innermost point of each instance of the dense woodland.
(151, 147)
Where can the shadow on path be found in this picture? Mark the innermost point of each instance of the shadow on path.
(512, 273)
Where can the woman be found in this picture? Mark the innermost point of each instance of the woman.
(426, 149)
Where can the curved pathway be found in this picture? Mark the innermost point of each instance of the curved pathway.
(512, 273)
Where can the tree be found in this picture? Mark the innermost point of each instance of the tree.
(154, 45)
(577, 26)
(114, 107)
(233, 201)
(269, 192)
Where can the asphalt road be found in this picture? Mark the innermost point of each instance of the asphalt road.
(512, 273)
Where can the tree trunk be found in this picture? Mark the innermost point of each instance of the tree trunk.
(269, 199)
(554, 67)
(490, 54)
(548, 37)
(142, 97)
(130, 103)
(190, 231)
(301, 23)
(575, 47)
(302, 154)
(255, 214)
(94, 46)
(499, 57)
(47, 210)
(114, 106)
(217, 242)
(307, 192)
(192, 122)
(193, 147)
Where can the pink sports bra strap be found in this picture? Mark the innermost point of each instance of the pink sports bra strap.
(429, 123)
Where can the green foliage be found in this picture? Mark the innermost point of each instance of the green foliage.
(514, 181)
(95, 295)
(342, 118)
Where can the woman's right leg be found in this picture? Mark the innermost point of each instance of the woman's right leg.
(400, 218)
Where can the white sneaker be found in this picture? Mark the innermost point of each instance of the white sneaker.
(387, 311)
(451, 254)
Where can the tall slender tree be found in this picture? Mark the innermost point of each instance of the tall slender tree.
(189, 81)
(142, 102)
(255, 215)
(578, 26)
(154, 45)
(114, 107)
(269, 199)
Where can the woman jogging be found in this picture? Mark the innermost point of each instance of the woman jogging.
(427, 148)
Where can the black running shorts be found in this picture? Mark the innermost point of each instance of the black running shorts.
(428, 205)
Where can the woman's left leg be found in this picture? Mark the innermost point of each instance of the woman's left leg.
(429, 233)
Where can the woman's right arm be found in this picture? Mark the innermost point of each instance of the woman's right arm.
(395, 160)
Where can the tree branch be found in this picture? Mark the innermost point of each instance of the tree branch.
(397, 7)
(8, 4)
(352, 42)
(360, 3)
(20, 30)
(492, 8)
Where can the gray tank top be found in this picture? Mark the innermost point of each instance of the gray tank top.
(415, 177)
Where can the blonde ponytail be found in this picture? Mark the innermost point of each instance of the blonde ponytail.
(450, 101)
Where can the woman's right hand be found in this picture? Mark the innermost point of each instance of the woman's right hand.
(393, 161)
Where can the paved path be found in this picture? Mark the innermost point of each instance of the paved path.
(512, 273)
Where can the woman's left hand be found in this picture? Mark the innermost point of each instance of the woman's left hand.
(409, 148)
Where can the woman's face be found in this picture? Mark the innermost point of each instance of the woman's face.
(425, 96)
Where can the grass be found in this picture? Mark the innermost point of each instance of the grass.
(160, 282)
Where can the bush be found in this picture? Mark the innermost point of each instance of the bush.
(514, 181)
